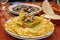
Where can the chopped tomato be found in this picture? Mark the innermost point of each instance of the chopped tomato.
(23, 19)
(24, 25)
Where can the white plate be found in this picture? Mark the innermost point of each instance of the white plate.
(27, 38)
(55, 17)
(14, 12)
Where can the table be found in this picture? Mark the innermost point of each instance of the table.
(5, 36)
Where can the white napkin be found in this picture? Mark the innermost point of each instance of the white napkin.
(47, 9)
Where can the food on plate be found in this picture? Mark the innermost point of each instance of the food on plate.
(29, 25)
(25, 8)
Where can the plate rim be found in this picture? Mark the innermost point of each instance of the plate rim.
(46, 16)
(14, 12)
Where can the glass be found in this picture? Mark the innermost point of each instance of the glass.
(58, 2)
(4, 16)
(3, 2)
(3, 11)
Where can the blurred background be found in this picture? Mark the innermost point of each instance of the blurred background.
(28, 0)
